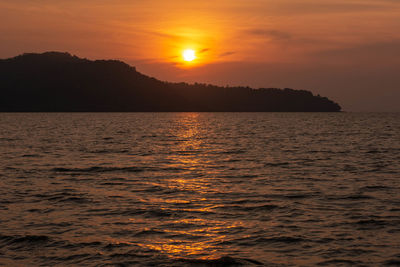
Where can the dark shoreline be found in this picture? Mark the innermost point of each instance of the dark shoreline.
(60, 82)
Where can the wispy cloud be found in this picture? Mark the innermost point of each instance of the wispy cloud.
(203, 50)
(271, 34)
(225, 54)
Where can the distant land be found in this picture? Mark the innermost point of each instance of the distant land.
(60, 82)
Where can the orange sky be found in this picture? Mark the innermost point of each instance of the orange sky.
(348, 50)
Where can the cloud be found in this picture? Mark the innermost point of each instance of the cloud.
(225, 54)
(380, 53)
(333, 7)
(164, 35)
(203, 50)
(270, 34)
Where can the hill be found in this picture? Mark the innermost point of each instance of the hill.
(56, 81)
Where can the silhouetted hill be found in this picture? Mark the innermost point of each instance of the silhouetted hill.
(60, 82)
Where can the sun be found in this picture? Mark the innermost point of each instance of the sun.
(189, 55)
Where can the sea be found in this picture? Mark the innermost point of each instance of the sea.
(200, 189)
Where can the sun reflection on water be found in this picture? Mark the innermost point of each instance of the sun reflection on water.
(207, 233)
(197, 237)
(187, 155)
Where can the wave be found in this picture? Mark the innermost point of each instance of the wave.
(76, 259)
(249, 208)
(336, 262)
(65, 197)
(236, 151)
(393, 262)
(276, 241)
(371, 224)
(107, 151)
(31, 156)
(81, 245)
(281, 239)
(375, 188)
(276, 164)
(98, 169)
(349, 197)
(371, 221)
(148, 233)
(223, 261)
(22, 241)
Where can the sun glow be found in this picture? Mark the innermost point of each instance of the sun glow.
(189, 55)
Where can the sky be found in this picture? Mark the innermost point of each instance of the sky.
(347, 50)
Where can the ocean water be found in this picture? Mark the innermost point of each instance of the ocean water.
(200, 189)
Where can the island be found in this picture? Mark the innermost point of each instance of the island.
(61, 82)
